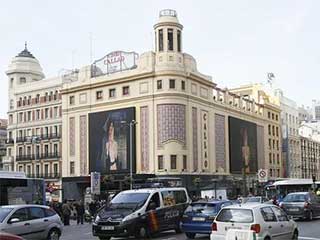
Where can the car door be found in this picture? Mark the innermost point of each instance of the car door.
(22, 226)
(38, 222)
(155, 213)
(271, 222)
(286, 228)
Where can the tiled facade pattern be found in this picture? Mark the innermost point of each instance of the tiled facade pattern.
(220, 143)
(144, 128)
(83, 145)
(260, 146)
(195, 137)
(72, 136)
(171, 120)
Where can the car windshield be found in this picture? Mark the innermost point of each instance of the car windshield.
(129, 200)
(4, 212)
(254, 199)
(235, 215)
(295, 198)
(205, 208)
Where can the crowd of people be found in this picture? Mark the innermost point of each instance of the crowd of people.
(76, 210)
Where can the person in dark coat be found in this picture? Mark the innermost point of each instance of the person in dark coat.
(66, 212)
(80, 212)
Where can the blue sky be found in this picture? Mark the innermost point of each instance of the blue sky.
(236, 42)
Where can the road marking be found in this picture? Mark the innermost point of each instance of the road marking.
(309, 238)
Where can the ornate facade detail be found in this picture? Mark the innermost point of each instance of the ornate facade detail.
(195, 138)
(171, 119)
(220, 143)
(205, 139)
(83, 145)
(72, 136)
(144, 134)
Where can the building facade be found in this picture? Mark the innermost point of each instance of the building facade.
(159, 116)
(3, 138)
(34, 120)
(291, 150)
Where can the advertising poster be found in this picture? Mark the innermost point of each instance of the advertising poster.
(242, 146)
(109, 141)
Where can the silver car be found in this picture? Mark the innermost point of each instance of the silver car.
(31, 221)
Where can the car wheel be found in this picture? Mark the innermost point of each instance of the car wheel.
(53, 234)
(295, 235)
(190, 235)
(142, 233)
(104, 238)
(267, 238)
(310, 216)
(178, 228)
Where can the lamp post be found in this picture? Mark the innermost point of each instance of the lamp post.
(131, 125)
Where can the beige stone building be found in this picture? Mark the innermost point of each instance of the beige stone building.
(182, 123)
(34, 120)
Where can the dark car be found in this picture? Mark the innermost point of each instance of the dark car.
(301, 205)
(198, 217)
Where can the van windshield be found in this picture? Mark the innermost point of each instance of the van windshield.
(129, 200)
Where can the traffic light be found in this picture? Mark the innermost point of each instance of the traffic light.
(313, 178)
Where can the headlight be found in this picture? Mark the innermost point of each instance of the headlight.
(129, 217)
(97, 218)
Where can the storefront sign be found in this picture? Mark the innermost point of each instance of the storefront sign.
(95, 183)
(114, 62)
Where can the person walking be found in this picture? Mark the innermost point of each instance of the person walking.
(80, 212)
(66, 212)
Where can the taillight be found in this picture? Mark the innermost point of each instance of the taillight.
(306, 205)
(256, 228)
(214, 227)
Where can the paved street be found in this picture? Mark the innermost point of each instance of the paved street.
(308, 231)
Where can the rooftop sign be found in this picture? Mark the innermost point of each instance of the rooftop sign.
(113, 62)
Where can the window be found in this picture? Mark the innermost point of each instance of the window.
(159, 84)
(183, 85)
(269, 115)
(268, 214)
(11, 104)
(278, 159)
(20, 168)
(21, 214)
(71, 100)
(281, 215)
(112, 93)
(55, 112)
(38, 98)
(173, 161)
(23, 80)
(154, 199)
(160, 162)
(55, 169)
(46, 170)
(273, 144)
(55, 149)
(184, 162)
(269, 143)
(272, 116)
(269, 129)
(10, 119)
(270, 158)
(276, 117)
(125, 90)
(38, 114)
(99, 95)
(28, 169)
(37, 170)
(179, 40)
(71, 167)
(235, 215)
(170, 39)
(20, 117)
(277, 131)
(172, 84)
(29, 116)
(49, 212)
(36, 213)
(273, 131)
(160, 40)
(37, 151)
(11, 82)
(277, 144)
(46, 150)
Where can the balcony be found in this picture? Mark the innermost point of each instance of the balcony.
(9, 141)
(38, 137)
(29, 157)
(45, 175)
(7, 159)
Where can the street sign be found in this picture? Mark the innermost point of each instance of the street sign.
(95, 183)
(262, 175)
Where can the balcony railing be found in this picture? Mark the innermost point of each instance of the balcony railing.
(37, 156)
(9, 141)
(38, 137)
(45, 175)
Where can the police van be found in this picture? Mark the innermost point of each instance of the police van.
(141, 213)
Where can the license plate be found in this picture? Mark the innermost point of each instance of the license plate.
(294, 209)
(199, 219)
(109, 228)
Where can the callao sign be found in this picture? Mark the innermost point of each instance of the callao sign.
(262, 175)
(114, 62)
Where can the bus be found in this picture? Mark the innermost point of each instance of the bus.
(281, 188)
(16, 188)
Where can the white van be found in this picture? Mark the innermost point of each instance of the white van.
(141, 213)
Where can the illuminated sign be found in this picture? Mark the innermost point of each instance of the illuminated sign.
(113, 62)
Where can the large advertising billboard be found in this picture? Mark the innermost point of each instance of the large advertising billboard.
(109, 141)
(242, 146)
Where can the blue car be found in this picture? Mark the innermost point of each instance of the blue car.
(198, 217)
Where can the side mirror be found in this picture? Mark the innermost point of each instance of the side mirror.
(13, 220)
(152, 206)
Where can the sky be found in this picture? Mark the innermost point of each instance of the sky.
(237, 42)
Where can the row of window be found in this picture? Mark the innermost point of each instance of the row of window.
(43, 132)
(170, 40)
(173, 162)
(45, 150)
(275, 130)
(273, 116)
(272, 158)
(274, 144)
(38, 170)
(48, 96)
(38, 114)
(172, 84)
(274, 172)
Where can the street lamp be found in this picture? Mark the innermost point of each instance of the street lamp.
(131, 125)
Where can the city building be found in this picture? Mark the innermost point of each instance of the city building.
(305, 114)
(291, 150)
(310, 151)
(155, 114)
(316, 110)
(34, 120)
(257, 94)
(3, 138)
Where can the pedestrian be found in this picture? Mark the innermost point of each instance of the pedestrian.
(92, 208)
(80, 212)
(66, 212)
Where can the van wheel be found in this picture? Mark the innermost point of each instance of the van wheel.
(53, 234)
(295, 235)
(143, 233)
(104, 238)
(178, 228)
(190, 235)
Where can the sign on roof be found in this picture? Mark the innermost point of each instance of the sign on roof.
(117, 61)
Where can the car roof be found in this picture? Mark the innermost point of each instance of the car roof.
(152, 190)
(304, 193)
(212, 201)
(252, 205)
(23, 205)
